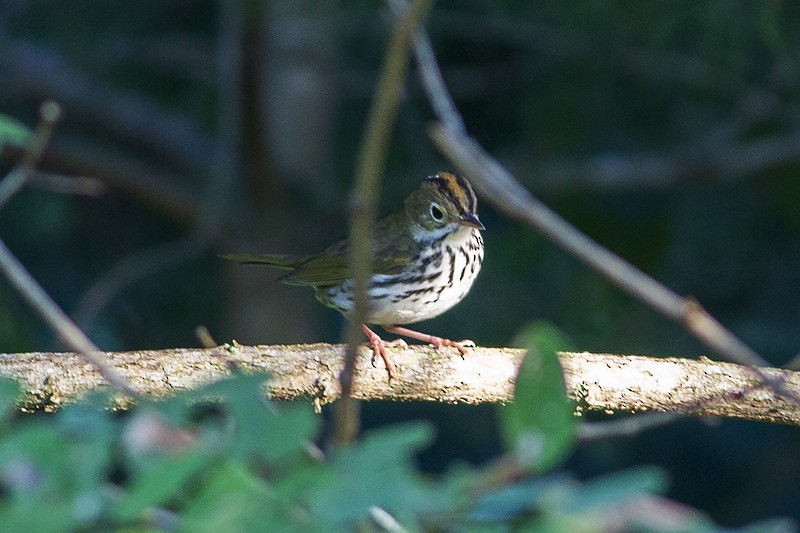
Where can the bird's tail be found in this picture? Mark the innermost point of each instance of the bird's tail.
(277, 260)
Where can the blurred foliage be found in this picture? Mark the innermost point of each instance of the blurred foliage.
(540, 436)
(631, 119)
(222, 459)
(13, 131)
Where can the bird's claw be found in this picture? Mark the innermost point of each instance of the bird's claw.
(379, 349)
(461, 346)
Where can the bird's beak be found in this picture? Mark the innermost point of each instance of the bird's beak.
(471, 220)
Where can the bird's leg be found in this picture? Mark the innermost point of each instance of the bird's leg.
(379, 348)
(437, 342)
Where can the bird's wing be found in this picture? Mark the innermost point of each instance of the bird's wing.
(332, 266)
(278, 260)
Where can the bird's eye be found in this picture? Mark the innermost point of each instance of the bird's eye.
(436, 212)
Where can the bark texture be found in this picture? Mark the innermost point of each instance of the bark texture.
(597, 382)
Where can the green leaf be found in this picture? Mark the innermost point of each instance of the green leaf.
(37, 452)
(378, 471)
(161, 482)
(514, 500)
(63, 459)
(13, 132)
(260, 427)
(619, 487)
(233, 499)
(539, 425)
(35, 467)
(29, 514)
(90, 433)
(9, 392)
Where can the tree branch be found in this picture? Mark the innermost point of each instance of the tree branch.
(597, 382)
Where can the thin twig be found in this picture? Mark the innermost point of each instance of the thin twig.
(49, 115)
(429, 72)
(130, 116)
(23, 282)
(58, 321)
(510, 197)
(369, 170)
(147, 182)
(730, 160)
(628, 426)
(70, 185)
(133, 268)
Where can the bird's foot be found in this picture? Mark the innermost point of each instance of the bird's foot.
(379, 348)
(436, 342)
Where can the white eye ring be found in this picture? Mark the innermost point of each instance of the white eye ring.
(436, 212)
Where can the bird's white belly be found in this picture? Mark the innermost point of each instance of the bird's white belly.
(440, 279)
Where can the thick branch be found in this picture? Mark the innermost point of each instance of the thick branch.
(598, 382)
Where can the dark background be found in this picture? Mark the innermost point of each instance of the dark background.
(668, 131)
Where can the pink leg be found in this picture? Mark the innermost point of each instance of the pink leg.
(379, 348)
(437, 342)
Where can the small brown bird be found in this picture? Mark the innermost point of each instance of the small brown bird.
(427, 256)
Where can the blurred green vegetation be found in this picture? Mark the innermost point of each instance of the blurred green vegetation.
(223, 459)
(668, 131)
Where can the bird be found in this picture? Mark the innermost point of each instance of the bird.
(426, 258)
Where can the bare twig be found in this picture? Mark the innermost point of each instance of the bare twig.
(369, 169)
(559, 43)
(190, 57)
(431, 76)
(500, 188)
(149, 183)
(49, 115)
(57, 320)
(204, 336)
(19, 277)
(510, 197)
(96, 160)
(727, 161)
(63, 184)
(132, 268)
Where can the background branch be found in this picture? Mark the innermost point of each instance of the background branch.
(733, 160)
(213, 204)
(18, 276)
(510, 197)
(597, 382)
(134, 118)
(14, 181)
